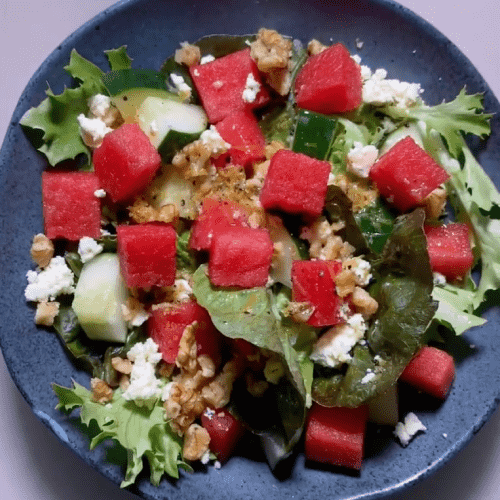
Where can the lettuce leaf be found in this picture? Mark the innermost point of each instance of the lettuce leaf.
(142, 431)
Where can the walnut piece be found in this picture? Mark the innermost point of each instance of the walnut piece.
(345, 282)
(359, 191)
(364, 302)
(196, 442)
(300, 312)
(46, 313)
(101, 392)
(315, 47)
(141, 212)
(42, 250)
(434, 203)
(122, 365)
(188, 54)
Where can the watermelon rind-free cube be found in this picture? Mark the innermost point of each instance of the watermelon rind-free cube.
(70, 208)
(221, 84)
(224, 430)
(147, 254)
(241, 130)
(313, 281)
(329, 82)
(214, 215)
(168, 322)
(449, 247)
(295, 184)
(336, 435)
(431, 371)
(406, 174)
(125, 162)
(240, 257)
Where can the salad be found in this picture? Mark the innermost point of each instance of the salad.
(247, 242)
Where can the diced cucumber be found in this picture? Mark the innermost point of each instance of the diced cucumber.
(281, 269)
(123, 80)
(172, 188)
(314, 133)
(99, 296)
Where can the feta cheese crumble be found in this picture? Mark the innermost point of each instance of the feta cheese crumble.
(252, 88)
(57, 278)
(361, 269)
(180, 84)
(407, 430)
(360, 159)
(88, 248)
(92, 130)
(206, 59)
(100, 193)
(212, 138)
(333, 347)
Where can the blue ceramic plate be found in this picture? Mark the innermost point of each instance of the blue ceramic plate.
(152, 30)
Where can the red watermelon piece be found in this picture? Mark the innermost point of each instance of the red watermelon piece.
(329, 82)
(70, 208)
(215, 214)
(449, 248)
(167, 324)
(240, 257)
(406, 174)
(431, 371)
(147, 254)
(241, 130)
(296, 184)
(313, 281)
(225, 431)
(336, 435)
(126, 162)
(220, 84)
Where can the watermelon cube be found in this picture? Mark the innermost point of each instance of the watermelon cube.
(167, 324)
(223, 85)
(215, 214)
(431, 371)
(329, 82)
(240, 257)
(406, 174)
(241, 130)
(313, 281)
(126, 162)
(147, 254)
(70, 208)
(449, 248)
(336, 435)
(296, 184)
(225, 431)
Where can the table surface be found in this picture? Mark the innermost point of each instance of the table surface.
(33, 463)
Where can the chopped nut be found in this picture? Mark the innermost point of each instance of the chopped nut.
(42, 250)
(345, 282)
(364, 302)
(124, 382)
(134, 312)
(299, 311)
(207, 366)
(271, 149)
(188, 54)
(434, 203)
(315, 47)
(122, 365)
(359, 191)
(196, 442)
(46, 313)
(141, 211)
(193, 159)
(101, 392)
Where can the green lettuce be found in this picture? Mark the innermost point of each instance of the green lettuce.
(142, 431)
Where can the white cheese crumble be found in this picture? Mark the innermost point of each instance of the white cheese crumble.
(333, 347)
(100, 193)
(370, 375)
(252, 88)
(406, 431)
(180, 84)
(360, 159)
(144, 387)
(212, 138)
(361, 269)
(88, 248)
(100, 106)
(439, 279)
(206, 59)
(92, 130)
(57, 278)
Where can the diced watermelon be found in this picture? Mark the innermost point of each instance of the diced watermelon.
(147, 254)
(167, 324)
(225, 431)
(221, 83)
(313, 281)
(240, 257)
(329, 82)
(241, 130)
(431, 371)
(295, 184)
(406, 174)
(215, 214)
(336, 435)
(70, 208)
(126, 162)
(449, 248)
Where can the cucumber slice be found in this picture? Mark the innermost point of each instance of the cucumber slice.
(120, 81)
(99, 296)
(281, 269)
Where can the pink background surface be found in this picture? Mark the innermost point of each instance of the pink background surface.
(33, 464)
